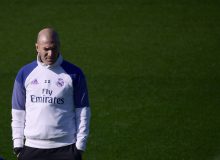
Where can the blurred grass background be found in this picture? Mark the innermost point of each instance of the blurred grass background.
(152, 68)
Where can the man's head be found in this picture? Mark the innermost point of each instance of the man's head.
(48, 45)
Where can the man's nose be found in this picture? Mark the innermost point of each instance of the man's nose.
(50, 53)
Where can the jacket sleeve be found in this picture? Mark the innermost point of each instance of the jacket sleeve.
(83, 112)
(18, 112)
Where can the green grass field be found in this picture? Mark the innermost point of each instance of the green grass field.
(152, 68)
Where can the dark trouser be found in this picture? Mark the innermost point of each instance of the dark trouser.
(62, 153)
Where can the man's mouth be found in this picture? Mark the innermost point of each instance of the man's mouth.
(50, 59)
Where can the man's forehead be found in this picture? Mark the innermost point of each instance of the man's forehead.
(48, 45)
(47, 42)
(46, 39)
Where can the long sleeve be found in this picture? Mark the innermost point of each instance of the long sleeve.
(83, 112)
(82, 125)
(18, 112)
(18, 120)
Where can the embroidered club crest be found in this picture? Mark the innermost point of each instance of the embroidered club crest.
(60, 82)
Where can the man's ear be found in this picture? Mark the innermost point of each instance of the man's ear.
(36, 46)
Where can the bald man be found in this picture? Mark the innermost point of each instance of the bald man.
(50, 105)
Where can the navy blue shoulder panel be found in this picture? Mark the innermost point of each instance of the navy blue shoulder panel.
(80, 94)
(70, 68)
(19, 91)
(25, 71)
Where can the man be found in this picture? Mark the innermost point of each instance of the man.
(50, 106)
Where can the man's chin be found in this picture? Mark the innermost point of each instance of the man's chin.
(49, 63)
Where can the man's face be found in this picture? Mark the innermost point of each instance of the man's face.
(48, 51)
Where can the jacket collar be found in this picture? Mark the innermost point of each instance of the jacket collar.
(57, 63)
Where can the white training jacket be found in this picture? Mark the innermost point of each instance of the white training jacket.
(50, 106)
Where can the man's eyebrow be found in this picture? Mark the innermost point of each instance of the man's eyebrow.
(51, 47)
